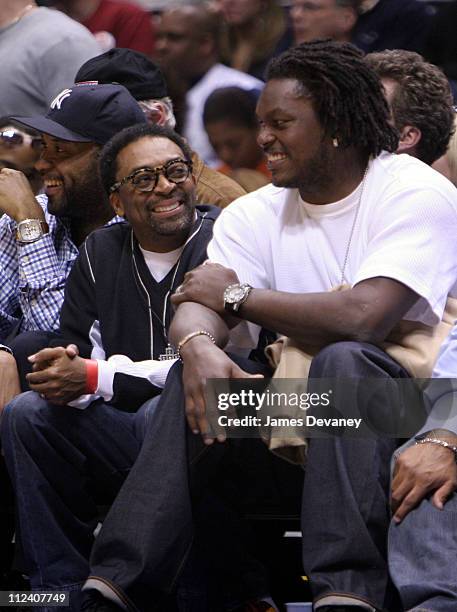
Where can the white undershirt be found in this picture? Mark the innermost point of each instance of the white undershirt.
(160, 264)
(334, 223)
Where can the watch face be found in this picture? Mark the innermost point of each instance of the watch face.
(30, 231)
(235, 294)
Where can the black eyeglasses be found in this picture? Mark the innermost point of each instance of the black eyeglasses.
(146, 179)
(14, 138)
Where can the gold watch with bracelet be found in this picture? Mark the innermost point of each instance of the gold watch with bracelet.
(31, 230)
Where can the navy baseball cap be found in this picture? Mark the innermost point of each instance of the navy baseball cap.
(87, 113)
(130, 68)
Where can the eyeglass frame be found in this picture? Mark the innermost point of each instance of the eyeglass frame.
(158, 170)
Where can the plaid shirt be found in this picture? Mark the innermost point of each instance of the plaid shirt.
(32, 276)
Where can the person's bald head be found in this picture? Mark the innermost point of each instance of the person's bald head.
(187, 39)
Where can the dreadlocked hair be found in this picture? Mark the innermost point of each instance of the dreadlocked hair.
(346, 93)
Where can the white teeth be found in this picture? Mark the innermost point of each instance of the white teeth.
(53, 183)
(276, 156)
(166, 208)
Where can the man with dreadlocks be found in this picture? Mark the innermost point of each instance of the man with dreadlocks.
(342, 210)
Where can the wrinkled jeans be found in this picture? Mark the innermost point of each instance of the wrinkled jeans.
(64, 464)
(423, 557)
(345, 513)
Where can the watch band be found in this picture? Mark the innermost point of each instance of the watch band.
(6, 348)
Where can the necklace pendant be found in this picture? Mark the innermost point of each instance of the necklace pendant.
(169, 354)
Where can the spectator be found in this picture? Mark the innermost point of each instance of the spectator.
(422, 543)
(147, 85)
(334, 19)
(20, 149)
(37, 249)
(253, 32)
(275, 255)
(39, 237)
(231, 124)
(117, 312)
(41, 51)
(389, 24)
(114, 23)
(188, 47)
(420, 101)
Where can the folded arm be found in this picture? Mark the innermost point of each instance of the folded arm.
(365, 313)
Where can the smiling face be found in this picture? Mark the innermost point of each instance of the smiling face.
(161, 219)
(291, 136)
(70, 177)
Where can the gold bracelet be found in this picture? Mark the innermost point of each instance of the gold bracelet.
(442, 443)
(185, 340)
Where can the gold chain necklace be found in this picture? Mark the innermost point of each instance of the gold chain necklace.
(354, 223)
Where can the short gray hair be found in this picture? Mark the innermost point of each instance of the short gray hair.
(170, 119)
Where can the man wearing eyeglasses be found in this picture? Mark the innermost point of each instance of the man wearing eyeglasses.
(39, 237)
(116, 313)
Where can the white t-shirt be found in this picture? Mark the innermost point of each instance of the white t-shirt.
(406, 229)
(159, 264)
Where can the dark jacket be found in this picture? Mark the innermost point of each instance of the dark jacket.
(113, 305)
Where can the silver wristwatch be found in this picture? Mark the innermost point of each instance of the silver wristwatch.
(31, 230)
(235, 295)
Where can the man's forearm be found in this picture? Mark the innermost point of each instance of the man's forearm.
(191, 317)
(320, 318)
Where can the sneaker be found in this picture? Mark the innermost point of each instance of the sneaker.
(93, 601)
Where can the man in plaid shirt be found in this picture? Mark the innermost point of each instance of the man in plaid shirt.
(39, 237)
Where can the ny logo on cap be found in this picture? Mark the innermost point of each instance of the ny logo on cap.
(57, 102)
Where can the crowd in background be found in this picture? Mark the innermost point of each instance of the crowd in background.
(187, 39)
(197, 69)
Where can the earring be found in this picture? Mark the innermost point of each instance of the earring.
(335, 142)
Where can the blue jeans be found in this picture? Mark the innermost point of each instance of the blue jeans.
(345, 509)
(423, 555)
(64, 464)
(345, 513)
(162, 508)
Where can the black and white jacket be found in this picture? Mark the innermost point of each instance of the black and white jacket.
(113, 310)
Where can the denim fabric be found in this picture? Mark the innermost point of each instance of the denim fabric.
(345, 501)
(64, 463)
(422, 557)
(345, 513)
(144, 546)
